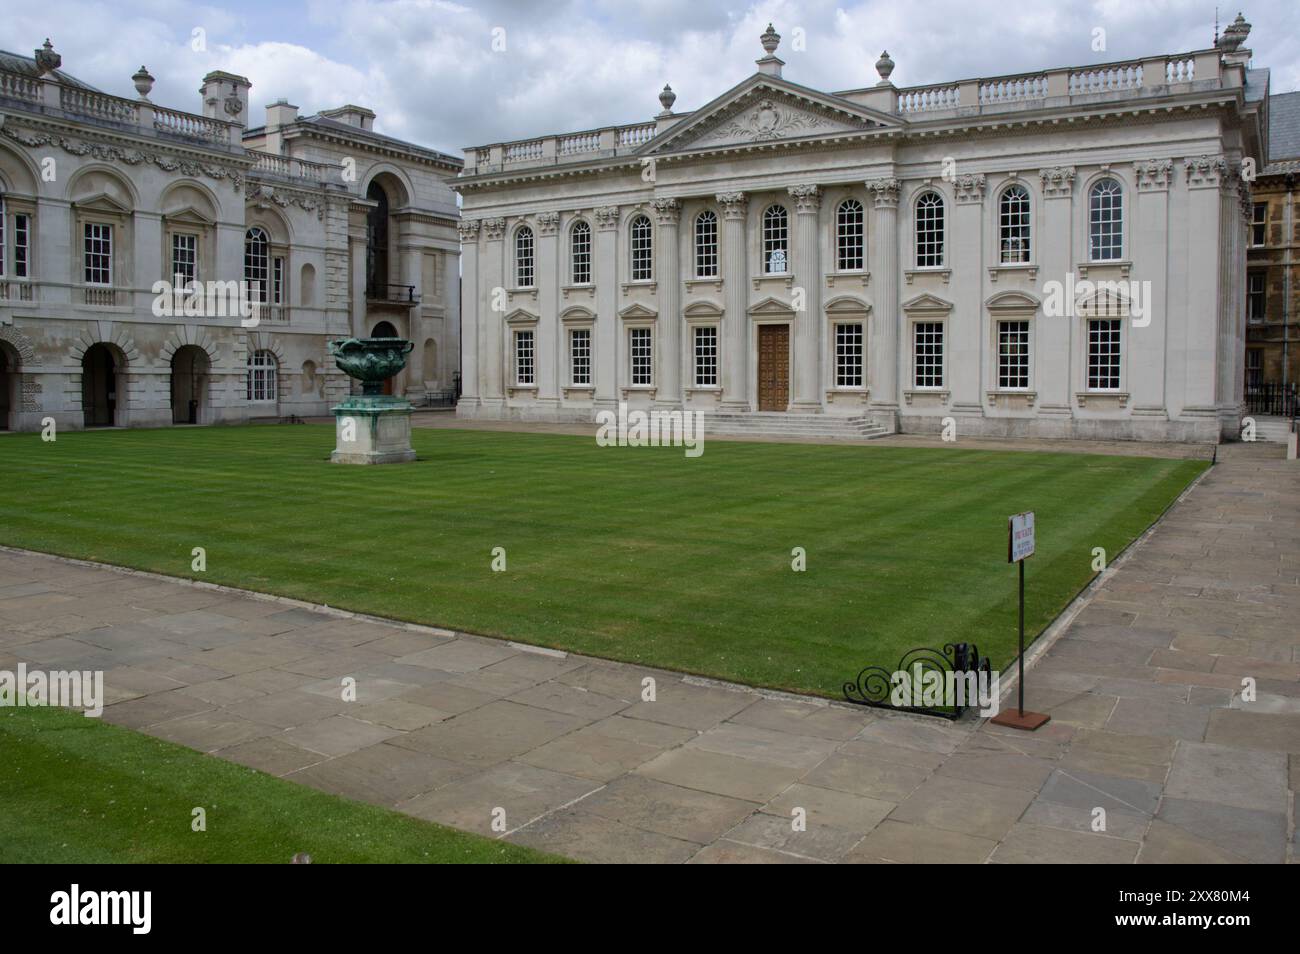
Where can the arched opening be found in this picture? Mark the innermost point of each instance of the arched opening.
(385, 329)
(190, 369)
(377, 274)
(9, 379)
(430, 363)
(307, 283)
(101, 374)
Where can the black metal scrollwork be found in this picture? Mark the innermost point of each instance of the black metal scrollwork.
(875, 685)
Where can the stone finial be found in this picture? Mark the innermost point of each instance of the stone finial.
(770, 40)
(666, 99)
(47, 61)
(143, 82)
(1234, 35)
(884, 66)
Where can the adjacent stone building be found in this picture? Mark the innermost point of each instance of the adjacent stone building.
(1056, 254)
(336, 229)
(1273, 265)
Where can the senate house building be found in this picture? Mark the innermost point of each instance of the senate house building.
(334, 229)
(1055, 254)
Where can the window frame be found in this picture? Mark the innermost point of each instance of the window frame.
(584, 227)
(774, 238)
(1024, 369)
(641, 248)
(713, 363)
(1114, 366)
(525, 260)
(839, 365)
(702, 253)
(847, 233)
(262, 377)
(1105, 236)
(90, 225)
(942, 364)
(1024, 223)
(1254, 295)
(261, 294)
(1259, 222)
(645, 353)
(518, 336)
(939, 235)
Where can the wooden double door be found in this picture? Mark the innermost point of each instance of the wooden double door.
(773, 367)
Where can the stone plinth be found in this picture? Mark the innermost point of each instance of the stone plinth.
(372, 430)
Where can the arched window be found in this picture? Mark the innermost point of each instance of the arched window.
(642, 236)
(776, 241)
(849, 236)
(1013, 225)
(524, 258)
(580, 253)
(257, 264)
(929, 230)
(262, 368)
(1106, 221)
(706, 244)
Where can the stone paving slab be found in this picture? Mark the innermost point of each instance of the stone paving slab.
(1151, 723)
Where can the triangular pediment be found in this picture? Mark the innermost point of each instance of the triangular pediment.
(638, 310)
(771, 306)
(765, 109)
(188, 215)
(102, 202)
(927, 302)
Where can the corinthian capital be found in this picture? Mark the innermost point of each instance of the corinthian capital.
(494, 228)
(1153, 175)
(807, 198)
(667, 211)
(884, 192)
(969, 187)
(468, 229)
(547, 222)
(1058, 182)
(607, 217)
(732, 203)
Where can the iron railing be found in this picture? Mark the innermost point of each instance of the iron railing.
(1281, 400)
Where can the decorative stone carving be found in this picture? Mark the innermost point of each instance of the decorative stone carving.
(1153, 175)
(47, 61)
(666, 99)
(131, 157)
(494, 228)
(807, 198)
(969, 187)
(607, 218)
(468, 230)
(884, 66)
(884, 192)
(770, 119)
(548, 223)
(262, 195)
(667, 211)
(1205, 172)
(143, 81)
(1058, 182)
(732, 203)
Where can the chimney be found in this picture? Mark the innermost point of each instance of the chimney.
(278, 115)
(357, 116)
(225, 96)
(770, 64)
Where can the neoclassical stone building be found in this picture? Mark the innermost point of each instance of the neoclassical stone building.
(1057, 254)
(337, 229)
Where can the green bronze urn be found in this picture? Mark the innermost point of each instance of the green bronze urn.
(372, 361)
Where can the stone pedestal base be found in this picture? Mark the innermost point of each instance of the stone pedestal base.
(372, 430)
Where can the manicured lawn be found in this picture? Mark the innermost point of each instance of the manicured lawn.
(637, 554)
(77, 790)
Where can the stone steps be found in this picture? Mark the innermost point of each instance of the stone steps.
(1273, 430)
(773, 424)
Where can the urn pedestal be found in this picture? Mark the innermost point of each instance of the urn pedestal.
(372, 430)
(372, 427)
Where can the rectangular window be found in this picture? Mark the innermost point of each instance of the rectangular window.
(928, 354)
(1103, 354)
(849, 236)
(1256, 296)
(706, 357)
(98, 253)
(277, 281)
(523, 358)
(22, 246)
(1013, 355)
(1254, 370)
(642, 352)
(185, 260)
(1259, 224)
(580, 357)
(848, 356)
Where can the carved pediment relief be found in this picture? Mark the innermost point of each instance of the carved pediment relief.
(764, 113)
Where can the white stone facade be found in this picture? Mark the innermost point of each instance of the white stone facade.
(104, 196)
(590, 277)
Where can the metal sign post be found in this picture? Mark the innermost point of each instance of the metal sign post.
(1020, 546)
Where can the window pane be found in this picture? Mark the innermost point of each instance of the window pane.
(706, 357)
(524, 258)
(848, 356)
(98, 254)
(580, 356)
(1103, 355)
(580, 249)
(1013, 225)
(929, 231)
(185, 259)
(523, 357)
(928, 354)
(22, 245)
(642, 356)
(1013, 355)
(1106, 221)
(257, 251)
(642, 249)
(776, 240)
(849, 235)
(706, 245)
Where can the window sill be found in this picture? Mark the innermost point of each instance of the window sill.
(647, 389)
(588, 287)
(692, 283)
(1029, 396)
(579, 390)
(705, 390)
(862, 276)
(860, 394)
(785, 278)
(941, 393)
(649, 285)
(1029, 270)
(944, 273)
(1123, 265)
(514, 390)
(1117, 396)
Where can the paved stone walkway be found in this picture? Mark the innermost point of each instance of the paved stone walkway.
(1144, 687)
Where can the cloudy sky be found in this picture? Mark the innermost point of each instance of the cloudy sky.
(435, 72)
